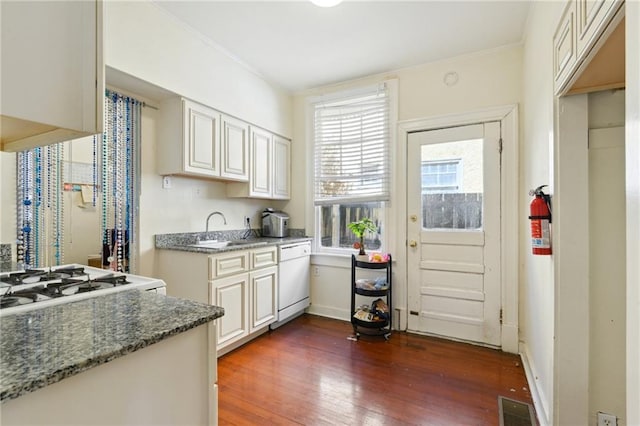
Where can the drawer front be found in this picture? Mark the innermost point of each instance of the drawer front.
(262, 257)
(228, 264)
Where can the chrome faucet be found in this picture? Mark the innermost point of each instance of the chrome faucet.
(213, 214)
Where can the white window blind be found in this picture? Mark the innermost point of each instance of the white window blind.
(352, 148)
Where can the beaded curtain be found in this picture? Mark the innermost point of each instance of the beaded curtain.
(116, 165)
(119, 164)
(40, 206)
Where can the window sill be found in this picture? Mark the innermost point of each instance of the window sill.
(332, 259)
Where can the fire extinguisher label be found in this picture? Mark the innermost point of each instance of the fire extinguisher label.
(540, 235)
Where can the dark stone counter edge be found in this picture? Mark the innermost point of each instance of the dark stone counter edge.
(72, 370)
(259, 243)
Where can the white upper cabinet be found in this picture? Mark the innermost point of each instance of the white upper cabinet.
(195, 140)
(564, 45)
(269, 170)
(261, 167)
(584, 29)
(281, 168)
(52, 72)
(235, 149)
(592, 18)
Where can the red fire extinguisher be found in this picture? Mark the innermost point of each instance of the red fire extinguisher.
(540, 215)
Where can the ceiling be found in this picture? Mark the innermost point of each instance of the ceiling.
(297, 45)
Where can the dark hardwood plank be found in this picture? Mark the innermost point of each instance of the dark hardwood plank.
(308, 373)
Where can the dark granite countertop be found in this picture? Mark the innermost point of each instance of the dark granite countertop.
(187, 241)
(43, 346)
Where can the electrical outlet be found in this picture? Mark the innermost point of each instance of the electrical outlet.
(605, 419)
(166, 182)
(316, 271)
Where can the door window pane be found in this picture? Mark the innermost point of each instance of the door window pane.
(452, 182)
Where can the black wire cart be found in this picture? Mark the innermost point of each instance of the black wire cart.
(374, 319)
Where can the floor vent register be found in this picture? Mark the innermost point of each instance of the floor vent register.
(515, 413)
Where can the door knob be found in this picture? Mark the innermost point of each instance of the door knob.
(413, 218)
(413, 243)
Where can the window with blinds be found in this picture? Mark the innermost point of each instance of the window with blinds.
(352, 148)
(352, 170)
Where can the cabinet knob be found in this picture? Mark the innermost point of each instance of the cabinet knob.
(413, 243)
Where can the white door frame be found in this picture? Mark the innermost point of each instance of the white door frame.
(508, 209)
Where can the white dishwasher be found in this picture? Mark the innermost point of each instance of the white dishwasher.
(294, 275)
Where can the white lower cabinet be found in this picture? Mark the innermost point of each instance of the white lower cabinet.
(231, 293)
(245, 284)
(264, 306)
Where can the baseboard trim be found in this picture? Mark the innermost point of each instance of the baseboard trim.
(329, 312)
(542, 413)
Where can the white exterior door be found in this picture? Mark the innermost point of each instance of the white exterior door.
(453, 232)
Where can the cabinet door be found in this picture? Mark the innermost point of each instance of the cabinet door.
(234, 152)
(260, 179)
(564, 47)
(593, 16)
(264, 297)
(201, 139)
(52, 72)
(281, 168)
(232, 294)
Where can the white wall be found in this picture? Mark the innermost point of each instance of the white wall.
(537, 296)
(145, 42)
(536, 168)
(632, 129)
(607, 250)
(486, 79)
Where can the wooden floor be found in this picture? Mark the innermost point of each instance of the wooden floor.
(307, 372)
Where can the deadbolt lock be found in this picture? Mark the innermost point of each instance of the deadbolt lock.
(414, 218)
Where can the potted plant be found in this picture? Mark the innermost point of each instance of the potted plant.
(359, 228)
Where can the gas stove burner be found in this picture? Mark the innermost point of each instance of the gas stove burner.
(70, 271)
(10, 301)
(31, 288)
(23, 297)
(57, 289)
(107, 281)
(32, 276)
(85, 287)
(113, 279)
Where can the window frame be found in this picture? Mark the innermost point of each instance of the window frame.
(314, 214)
